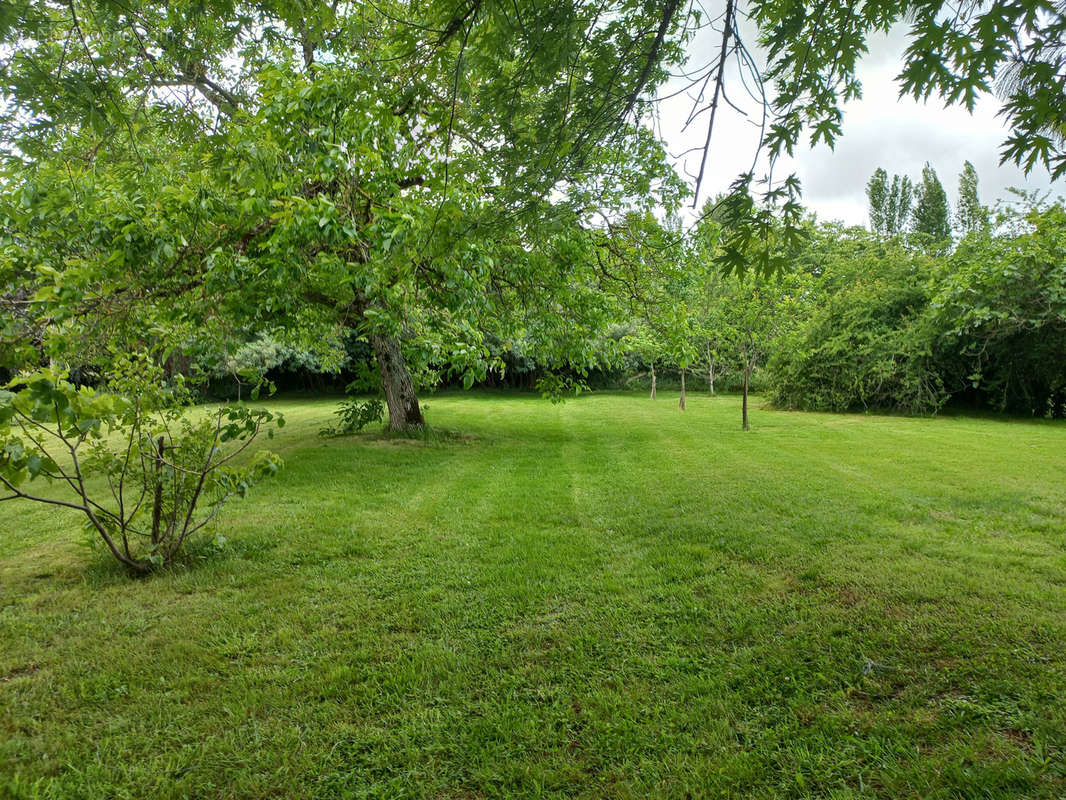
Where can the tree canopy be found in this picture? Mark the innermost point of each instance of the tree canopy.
(421, 175)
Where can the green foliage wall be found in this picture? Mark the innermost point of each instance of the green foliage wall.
(1000, 311)
(891, 326)
(864, 344)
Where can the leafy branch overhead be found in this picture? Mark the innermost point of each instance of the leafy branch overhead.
(534, 92)
(956, 52)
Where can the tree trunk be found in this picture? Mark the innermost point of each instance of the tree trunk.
(404, 413)
(710, 370)
(747, 375)
(681, 403)
(157, 500)
(177, 363)
(652, 381)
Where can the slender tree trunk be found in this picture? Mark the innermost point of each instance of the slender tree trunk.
(177, 363)
(653, 381)
(157, 500)
(710, 370)
(747, 375)
(681, 402)
(404, 413)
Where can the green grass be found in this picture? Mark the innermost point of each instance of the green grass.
(608, 598)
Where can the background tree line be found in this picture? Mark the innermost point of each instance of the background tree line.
(967, 308)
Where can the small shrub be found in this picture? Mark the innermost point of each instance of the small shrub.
(143, 473)
(355, 415)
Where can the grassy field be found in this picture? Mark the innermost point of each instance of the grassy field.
(608, 598)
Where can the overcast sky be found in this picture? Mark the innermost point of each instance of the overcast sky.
(880, 130)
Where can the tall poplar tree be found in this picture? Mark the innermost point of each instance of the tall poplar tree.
(877, 195)
(900, 197)
(889, 204)
(970, 215)
(931, 214)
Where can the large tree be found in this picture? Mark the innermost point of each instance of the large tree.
(405, 156)
(414, 173)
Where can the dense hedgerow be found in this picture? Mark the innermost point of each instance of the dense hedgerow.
(895, 324)
(865, 344)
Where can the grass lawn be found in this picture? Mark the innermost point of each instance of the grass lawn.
(607, 598)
